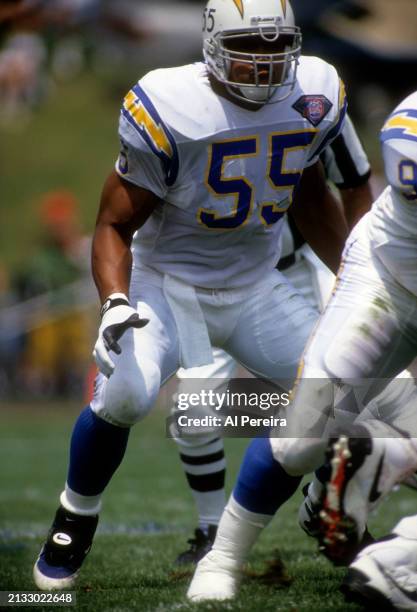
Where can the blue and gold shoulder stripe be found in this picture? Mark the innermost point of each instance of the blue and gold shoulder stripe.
(142, 115)
(401, 124)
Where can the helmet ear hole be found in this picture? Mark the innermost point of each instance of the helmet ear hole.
(226, 27)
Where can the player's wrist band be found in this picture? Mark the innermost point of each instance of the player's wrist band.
(115, 299)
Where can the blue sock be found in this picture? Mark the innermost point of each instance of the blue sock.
(263, 485)
(97, 449)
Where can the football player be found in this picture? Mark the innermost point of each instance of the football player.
(202, 454)
(366, 336)
(187, 237)
(379, 338)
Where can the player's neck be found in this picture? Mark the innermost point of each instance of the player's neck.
(221, 90)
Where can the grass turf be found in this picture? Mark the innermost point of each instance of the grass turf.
(146, 519)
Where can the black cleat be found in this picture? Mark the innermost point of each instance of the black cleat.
(310, 521)
(200, 545)
(342, 535)
(346, 555)
(68, 543)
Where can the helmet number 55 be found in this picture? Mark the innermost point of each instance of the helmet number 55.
(208, 20)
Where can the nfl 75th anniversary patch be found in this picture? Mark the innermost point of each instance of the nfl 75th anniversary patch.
(313, 108)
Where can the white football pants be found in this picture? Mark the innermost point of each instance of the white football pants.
(263, 327)
(366, 336)
(313, 281)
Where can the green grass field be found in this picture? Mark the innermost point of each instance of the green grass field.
(147, 516)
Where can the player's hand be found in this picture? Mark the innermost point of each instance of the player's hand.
(117, 316)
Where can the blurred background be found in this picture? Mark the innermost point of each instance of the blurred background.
(65, 66)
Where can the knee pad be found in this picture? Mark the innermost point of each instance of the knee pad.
(189, 441)
(126, 397)
(187, 435)
(184, 431)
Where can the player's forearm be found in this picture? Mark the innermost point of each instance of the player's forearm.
(356, 202)
(111, 261)
(319, 216)
(323, 227)
(329, 248)
(124, 208)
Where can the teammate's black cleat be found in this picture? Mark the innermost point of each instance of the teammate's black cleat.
(200, 545)
(69, 541)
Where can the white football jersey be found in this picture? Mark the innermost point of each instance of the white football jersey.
(225, 175)
(392, 223)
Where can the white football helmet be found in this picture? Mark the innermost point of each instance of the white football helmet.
(227, 23)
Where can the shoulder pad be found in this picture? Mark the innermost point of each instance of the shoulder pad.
(139, 110)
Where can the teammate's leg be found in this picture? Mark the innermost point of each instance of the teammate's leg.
(313, 281)
(202, 455)
(290, 453)
(275, 329)
(262, 487)
(360, 342)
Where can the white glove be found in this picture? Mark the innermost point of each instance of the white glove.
(116, 317)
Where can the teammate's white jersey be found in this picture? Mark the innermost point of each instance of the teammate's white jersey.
(225, 175)
(392, 223)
